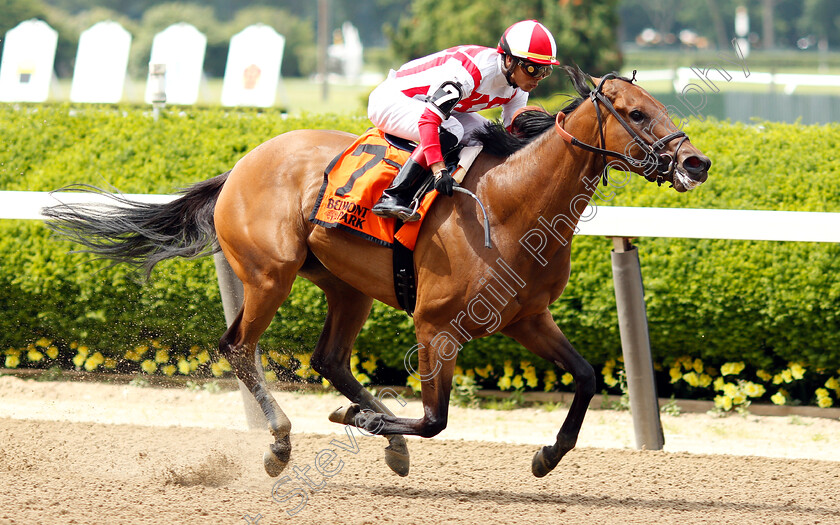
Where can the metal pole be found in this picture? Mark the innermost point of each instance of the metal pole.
(323, 42)
(233, 294)
(635, 345)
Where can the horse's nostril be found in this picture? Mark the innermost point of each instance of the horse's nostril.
(695, 164)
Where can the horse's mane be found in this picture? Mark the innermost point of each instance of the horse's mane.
(529, 125)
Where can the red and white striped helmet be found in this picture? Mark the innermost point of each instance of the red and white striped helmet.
(529, 40)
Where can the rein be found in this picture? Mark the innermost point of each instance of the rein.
(662, 163)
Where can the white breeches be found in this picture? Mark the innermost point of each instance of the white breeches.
(393, 112)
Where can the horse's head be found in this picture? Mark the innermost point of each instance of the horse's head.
(638, 133)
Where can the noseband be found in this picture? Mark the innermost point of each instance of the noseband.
(658, 166)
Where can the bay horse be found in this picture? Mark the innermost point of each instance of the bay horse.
(543, 174)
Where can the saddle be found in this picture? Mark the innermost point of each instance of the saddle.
(354, 182)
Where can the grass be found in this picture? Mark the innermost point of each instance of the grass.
(296, 95)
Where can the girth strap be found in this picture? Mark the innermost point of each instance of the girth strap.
(405, 282)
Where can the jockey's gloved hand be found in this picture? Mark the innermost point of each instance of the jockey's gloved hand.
(444, 183)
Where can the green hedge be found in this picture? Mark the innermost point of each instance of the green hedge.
(763, 303)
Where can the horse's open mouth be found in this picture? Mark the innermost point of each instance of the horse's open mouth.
(683, 182)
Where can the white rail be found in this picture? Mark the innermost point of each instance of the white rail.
(619, 223)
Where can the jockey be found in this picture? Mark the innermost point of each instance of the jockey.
(435, 98)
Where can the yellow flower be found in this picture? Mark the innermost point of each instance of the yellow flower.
(787, 376)
(110, 363)
(362, 378)
(194, 364)
(705, 380)
(530, 376)
(676, 374)
(723, 402)
(739, 398)
(777, 379)
(12, 361)
(753, 389)
(833, 384)
(610, 380)
(567, 379)
(93, 362)
(263, 360)
(508, 369)
(203, 357)
(484, 372)
(169, 369)
(271, 376)
(779, 398)
(824, 402)
(162, 356)
(764, 375)
(140, 350)
(43, 342)
(370, 365)
(216, 370)
(148, 366)
(354, 359)
(413, 382)
(504, 383)
(698, 366)
(470, 373)
(732, 368)
(79, 359)
(730, 389)
(194, 349)
(718, 383)
(692, 379)
(156, 343)
(52, 352)
(517, 382)
(34, 355)
(797, 370)
(821, 392)
(224, 365)
(183, 366)
(458, 371)
(74, 345)
(550, 379)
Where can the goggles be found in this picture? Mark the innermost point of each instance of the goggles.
(537, 71)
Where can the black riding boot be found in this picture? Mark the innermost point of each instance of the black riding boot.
(396, 200)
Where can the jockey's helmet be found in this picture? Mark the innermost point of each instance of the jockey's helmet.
(529, 40)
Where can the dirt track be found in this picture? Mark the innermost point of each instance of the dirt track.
(210, 472)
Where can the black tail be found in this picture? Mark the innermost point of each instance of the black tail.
(138, 233)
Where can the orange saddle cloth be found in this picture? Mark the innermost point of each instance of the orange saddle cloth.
(354, 182)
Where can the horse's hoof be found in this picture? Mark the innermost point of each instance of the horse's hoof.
(345, 415)
(273, 466)
(541, 466)
(396, 456)
(277, 456)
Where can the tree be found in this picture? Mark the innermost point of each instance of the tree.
(586, 32)
(13, 12)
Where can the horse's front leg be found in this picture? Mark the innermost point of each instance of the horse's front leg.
(436, 353)
(540, 335)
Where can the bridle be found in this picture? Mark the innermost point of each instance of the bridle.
(658, 166)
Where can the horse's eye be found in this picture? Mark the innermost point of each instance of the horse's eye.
(637, 115)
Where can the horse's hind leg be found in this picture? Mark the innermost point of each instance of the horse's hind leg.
(347, 310)
(540, 335)
(238, 346)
